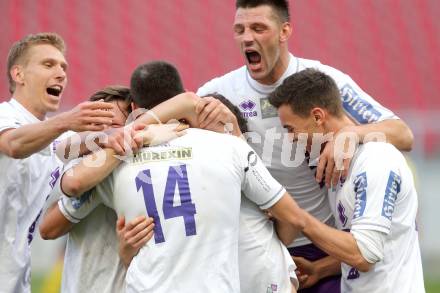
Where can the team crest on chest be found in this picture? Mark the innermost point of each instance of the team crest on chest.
(267, 110)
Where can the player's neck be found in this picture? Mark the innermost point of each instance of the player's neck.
(28, 104)
(335, 124)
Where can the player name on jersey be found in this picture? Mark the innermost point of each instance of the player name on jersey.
(165, 155)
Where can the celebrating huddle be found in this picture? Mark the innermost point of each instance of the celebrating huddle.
(162, 190)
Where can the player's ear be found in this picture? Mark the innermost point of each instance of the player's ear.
(285, 32)
(17, 74)
(318, 116)
(133, 106)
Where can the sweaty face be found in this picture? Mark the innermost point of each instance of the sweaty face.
(257, 32)
(43, 78)
(297, 126)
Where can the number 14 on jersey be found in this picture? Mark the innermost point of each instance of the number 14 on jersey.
(177, 175)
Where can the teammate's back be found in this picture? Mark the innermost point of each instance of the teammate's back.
(191, 187)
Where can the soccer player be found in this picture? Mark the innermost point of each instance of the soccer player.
(202, 259)
(36, 69)
(262, 29)
(375, 207)
(95, 234)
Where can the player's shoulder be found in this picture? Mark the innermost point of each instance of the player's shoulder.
(336, 74)
(6, 109)
(10, 116)
(225, 82)
(379, 154)
(380, 149)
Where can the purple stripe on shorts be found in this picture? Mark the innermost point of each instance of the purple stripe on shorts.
(312, 253)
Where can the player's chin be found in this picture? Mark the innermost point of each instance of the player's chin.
(52, 106)
(258, 75)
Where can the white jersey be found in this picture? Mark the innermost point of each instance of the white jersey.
(379, 195)
(91, 259)
(270, 140)
(265, 264)
(24, 187)
(192, 188)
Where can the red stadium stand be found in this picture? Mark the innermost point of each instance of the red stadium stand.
(389, 47)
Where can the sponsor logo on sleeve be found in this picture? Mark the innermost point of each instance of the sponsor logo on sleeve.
(267, 110)
(391, 191)
(361, 110)
(247, 108)
(252, 159)
(79, 201)
(360, 189)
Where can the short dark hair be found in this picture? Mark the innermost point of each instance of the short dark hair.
(307, 89)
(19, 50)
(153, 83)
(280, 6)
(112, 93)
(242, 123)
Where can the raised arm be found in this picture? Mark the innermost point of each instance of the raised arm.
(98, 165)
(179, 107)
(23, 141)
(393, 131)
(91, 171)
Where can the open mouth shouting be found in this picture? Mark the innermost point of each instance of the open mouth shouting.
(253, 59)
(54, 90)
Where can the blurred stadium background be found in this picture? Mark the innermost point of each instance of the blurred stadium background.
(391, 48)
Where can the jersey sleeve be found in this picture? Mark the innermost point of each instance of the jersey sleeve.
(57, 190)
(376, 188)
(7, 118)
(258, 185)
(75, 209)
(359, 105)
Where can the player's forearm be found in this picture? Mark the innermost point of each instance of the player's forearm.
(54, 224)
(395, 130)
(179, 107)
(286, 232)
(28, 139)
(126, 257)
(339, 244)
(78, 145)
(288, 211)
(91, 171)
(328, 266)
